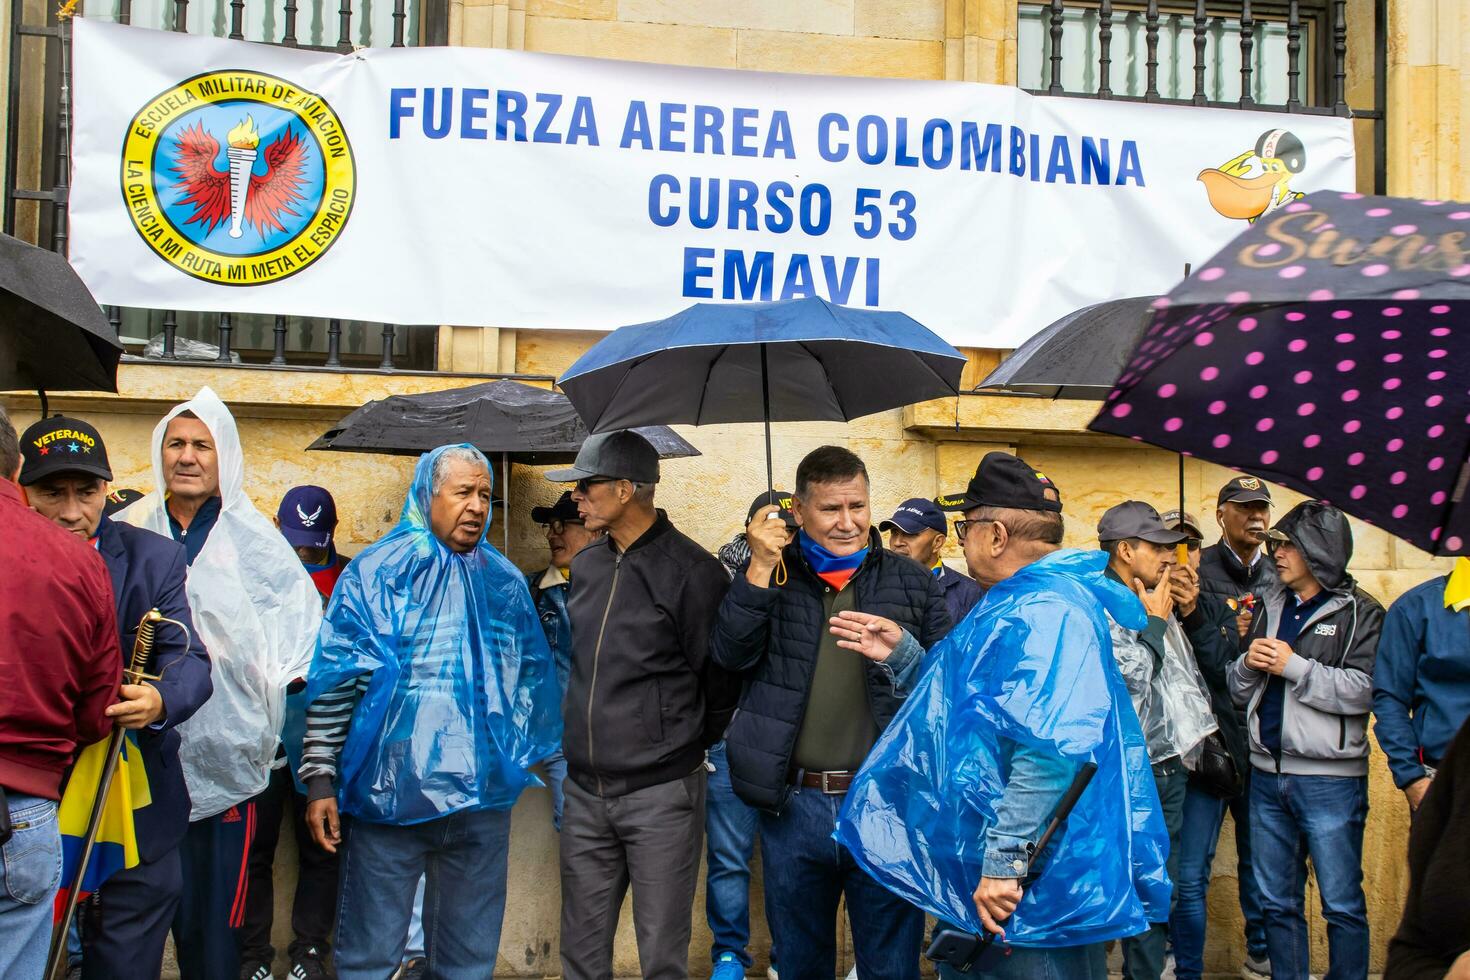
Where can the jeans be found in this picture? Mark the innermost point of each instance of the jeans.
(556, 774)
(30, 871)
(1144, 954)
(413, 947)
(729, 828)
(806, 873)
(1199, 835)
(464, 856)
(1024, 963)
(1322, 816)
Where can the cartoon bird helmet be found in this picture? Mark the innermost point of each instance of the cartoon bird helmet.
(1279, 144)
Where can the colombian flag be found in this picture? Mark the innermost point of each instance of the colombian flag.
(117, 842)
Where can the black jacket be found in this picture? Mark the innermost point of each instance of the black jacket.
(771, 636)
(1223, 576)
(636, 712)
(1212, 634)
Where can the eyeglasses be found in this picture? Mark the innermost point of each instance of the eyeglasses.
(558, 526)
(586, 482)
(961, 528)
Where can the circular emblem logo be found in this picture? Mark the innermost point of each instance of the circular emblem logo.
(238, 177)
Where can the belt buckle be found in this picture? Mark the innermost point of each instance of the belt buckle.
(825, 788)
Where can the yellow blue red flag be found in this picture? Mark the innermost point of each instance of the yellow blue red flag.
(117, 841)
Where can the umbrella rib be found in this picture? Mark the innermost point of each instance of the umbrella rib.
(592, 427)
(827, 377)
(703, 392)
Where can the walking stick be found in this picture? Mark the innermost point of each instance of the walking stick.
(137, 663)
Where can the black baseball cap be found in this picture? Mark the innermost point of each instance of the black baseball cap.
(780, 498)
(1003, 480)
(621, 455)
(914, 515)
(120, 498)
(1136, 519)
(565, 509)
(1244, 490)
(62, 445)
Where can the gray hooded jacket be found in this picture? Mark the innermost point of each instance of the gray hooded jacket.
(1329, 681)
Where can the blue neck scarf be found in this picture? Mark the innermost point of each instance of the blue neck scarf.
(823, 560)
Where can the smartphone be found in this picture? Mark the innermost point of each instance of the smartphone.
(958, 949)
(5, 829)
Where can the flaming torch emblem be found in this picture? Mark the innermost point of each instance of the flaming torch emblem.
(244, 148)
(238, 194)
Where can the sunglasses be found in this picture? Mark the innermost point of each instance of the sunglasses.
(558, 526)
(1275, 541)
(591, 481)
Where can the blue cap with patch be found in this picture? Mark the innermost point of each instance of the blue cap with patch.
(914, 515)
(308, 517)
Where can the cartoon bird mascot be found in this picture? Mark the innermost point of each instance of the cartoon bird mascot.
(1257, 181)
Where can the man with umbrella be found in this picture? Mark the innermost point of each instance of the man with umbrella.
(1306, 682)
(812, 711)
(124, 929)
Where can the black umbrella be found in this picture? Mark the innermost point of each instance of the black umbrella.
(1079, 356)
(1323, 349)
(53, 335)
(520, 422)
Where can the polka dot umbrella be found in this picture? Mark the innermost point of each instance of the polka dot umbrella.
(1323, 349)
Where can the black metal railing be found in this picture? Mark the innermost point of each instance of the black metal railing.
(36, 178)
(1287, 56)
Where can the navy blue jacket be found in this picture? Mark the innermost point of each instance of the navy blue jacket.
(147, 572)
(1421, 682)
(960, 593)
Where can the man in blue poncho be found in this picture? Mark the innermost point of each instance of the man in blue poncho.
(432, 692)
(1011, 705)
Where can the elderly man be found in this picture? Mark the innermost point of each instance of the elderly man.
(1306, 682)
(1235, 568)
(1163, 680)
(59, 656)
(125, 927)
(431, 694)
(918, 530)
(257, 612)
(1012, 704)
(640, 712)
(812, 710)
(566, 534)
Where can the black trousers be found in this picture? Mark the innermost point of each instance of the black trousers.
(125, 925)
(314, 908)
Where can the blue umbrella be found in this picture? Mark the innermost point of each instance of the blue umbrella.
(802, 360)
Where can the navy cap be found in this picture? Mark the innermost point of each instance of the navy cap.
(1136, 519)
(1003, 480)
(914, 515)
(308, 517)
(565, 509)
(120, 499)
(61, 445)
(779, 498)
(1245, 490)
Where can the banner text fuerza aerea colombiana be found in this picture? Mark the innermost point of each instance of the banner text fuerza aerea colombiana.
(777, 206)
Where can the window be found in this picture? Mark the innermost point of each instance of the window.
(318, 22)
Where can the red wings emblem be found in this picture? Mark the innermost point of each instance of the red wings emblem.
(207, 188)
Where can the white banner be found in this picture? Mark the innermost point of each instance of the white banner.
(498, 188)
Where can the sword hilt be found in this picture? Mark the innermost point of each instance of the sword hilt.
(143, 648)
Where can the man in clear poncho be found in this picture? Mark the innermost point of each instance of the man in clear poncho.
(258, 613)
(432, 692)
(1010, 706)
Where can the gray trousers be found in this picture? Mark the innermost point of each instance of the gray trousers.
(652, 839)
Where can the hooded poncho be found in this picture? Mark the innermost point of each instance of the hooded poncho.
(257, 612)
(1031, 664)
(463, 695)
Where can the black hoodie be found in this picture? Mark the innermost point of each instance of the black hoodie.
(1329, 681)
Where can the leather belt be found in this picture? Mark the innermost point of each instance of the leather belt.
(831, 783)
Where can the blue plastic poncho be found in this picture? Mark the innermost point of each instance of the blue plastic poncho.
(1031, 664)
(463, 696)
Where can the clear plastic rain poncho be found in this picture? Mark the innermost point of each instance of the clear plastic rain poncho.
(463, 696)
(257, 612)
(1031, 664)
